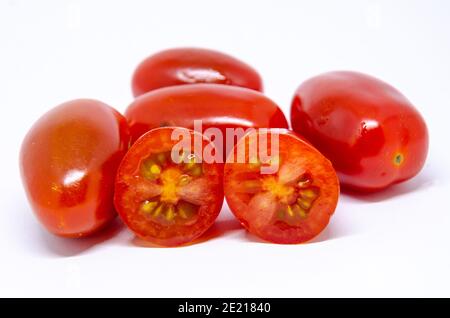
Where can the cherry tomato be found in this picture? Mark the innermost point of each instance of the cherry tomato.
(373, 135)
(218, 106)
(68, 162)
(292, 204)
(164, 201)
(192, 66)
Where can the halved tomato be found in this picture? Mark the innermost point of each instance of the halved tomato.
(291, 205)
(165, 201)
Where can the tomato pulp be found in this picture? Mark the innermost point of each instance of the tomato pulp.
(164, 201)
(217, 106)
(291, 205)
(68, 161)
(373, 135)
(192, 66)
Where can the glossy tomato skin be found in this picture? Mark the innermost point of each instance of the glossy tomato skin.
(373, 135)
(68, 162)
(292, 205)
(219, 106)
(192, 66)
(153, 195)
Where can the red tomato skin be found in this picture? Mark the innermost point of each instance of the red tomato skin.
(68, 161)
(219, 106)
(361, 124)
(180, 66)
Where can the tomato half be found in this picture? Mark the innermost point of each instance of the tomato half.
(291, 205)
(68, 162)
(163, 201)
(192, 66)
(373, 135)
(217, 106)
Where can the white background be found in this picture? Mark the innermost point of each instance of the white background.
(394, 243)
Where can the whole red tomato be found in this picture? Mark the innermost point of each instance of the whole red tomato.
(68, 163)
(292, 203)
(218, 106)
(373, 135)
(190, 66)
(164, 201)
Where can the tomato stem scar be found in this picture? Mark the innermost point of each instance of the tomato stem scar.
(398, 159)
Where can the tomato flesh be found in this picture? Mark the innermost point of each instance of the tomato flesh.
(292, 205)
(166, 202)
(373, 135)
(68, 162)
(192, 66)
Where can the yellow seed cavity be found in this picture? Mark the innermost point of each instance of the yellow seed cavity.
(148, 206)
(182, 213)
(305, 204)
(170, 214)
(186, 210)
(193, 167)
(184, 180)
(299, 211)
(150, 169)
(295, 208)
(190, 165)
(155, 169)
(303, 214)
(158, 210)
(196, 171)
(171, 178)
(289, 211)
(309, 193)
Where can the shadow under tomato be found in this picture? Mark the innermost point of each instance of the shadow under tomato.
(218, 229)
(332, 232)
(249, 237)
(66, 247)
(420, 182)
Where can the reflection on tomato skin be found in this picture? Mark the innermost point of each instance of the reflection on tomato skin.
(181, 66)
